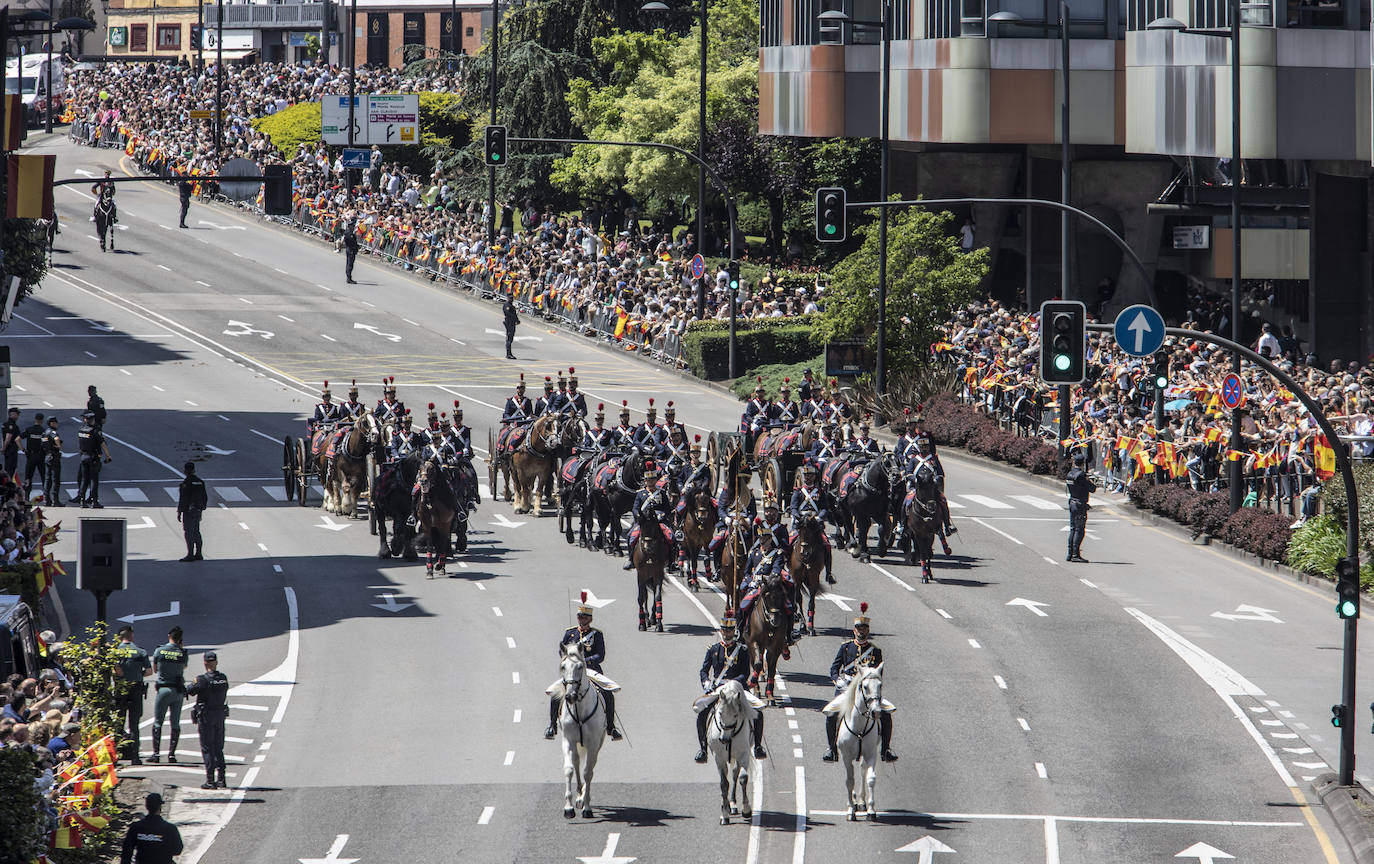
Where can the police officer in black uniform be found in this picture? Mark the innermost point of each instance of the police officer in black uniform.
(593, 652)
(131, 667)
(33, 452)
(211, 689)
(184, 190)
(12, 435)
(152, 839)
(350, 240)
(191, 503)
(511, 319)
(727, 659)
(52, 463)
(850, 658)
(95, 405)
(1080, 487)
(91, 442)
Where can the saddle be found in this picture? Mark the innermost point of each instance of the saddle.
(335, 440)
(606, 475)
(571, 469)
(386, 482)
(321, 442)
(832, 468)
(847, 482)
(510, 439)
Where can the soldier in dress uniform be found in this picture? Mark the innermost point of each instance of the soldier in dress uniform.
(811, 497)
(851, 657)
(389, 410)
(675, 456)
(352, 409)
(767, 560)
(518, 408)
(726, 660)
(650, 496)
(670, 420)
(785, 410)
(593, 653)
(575, 401)
(403, 440)
(807, 390)
(326, 412)
(905, 448)
(549, 401)
(923, 453)
(430, 434)
(862, 443)
(837, 411)
(650, 434)
(624, 434)
(823, 447)
(597, 437)
(756, 410)
(461, 435)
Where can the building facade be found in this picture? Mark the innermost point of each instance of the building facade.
(150, 29)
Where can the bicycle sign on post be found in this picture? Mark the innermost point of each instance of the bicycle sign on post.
(697, 266)
(1232, 394)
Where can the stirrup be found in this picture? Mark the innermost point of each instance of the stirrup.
(550, 732)
(830, 756)
(951, 529)
(889, 756)
(614, 733)
(701, 755)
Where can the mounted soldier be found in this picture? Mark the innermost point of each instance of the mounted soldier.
(923, 452)
(389, 411)
(597, 437)
(812, 498)
(650, 434)
(824, 447)
(430, 434)
(852, 656)
(675, 456)
(593, 654)
(862, 443)
(727, 660)
(837, 411)
(697, 476)
(670, 420)
(655, 499)
(905, 448)
(326, 412)
(768, 561)
(547, 403)
(623, 436)
(461, 435)
(756, 412)
(575, 401)
(352, 409)
(807, 390)
(518, 411)
(403, 441)
(785, 410)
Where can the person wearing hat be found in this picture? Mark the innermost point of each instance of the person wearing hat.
(52, 461)
(547, 403)
(807, 389)
(696, 475)
(90, 441)
(389, 411)
(755, 410)
(191, 503)
(593, 654)
(211, 689)
(460, 436)
(852, 656)
(519, 409)
(597, 437)
(404, 440)
(326, 412)
(511, 319)
(862, 443)
(655, 498)
(352, 409)
(574, 402)
(670, 420)
(1081, 486)
(837, 411)
(823, 446)
(95, 405)
(131, 666)
(810, 498)
(768, 560)
(785, 410)
(169, 662)
(624, 434)
(650, 433)
(152, 839)
(726, 660)
(905, 447)
(675, 456)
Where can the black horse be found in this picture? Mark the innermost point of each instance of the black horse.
(467, 493)
(573, 498)
(921, 517)
(613, 494)
(391, 500)
(105, 218)
(867, 501)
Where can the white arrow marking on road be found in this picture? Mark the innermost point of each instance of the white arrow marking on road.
(925, 848)
(372, 329)
(1140, 325)
(170, 613)
(1203, 853)
(215, 451)
(222, 227)
(517, 338)
(331, 524)
(243, 328)
(838, 600)
(503, 522)
(84, 173)
(596, 602)
(1310, 764)
(147, 523)
(389, 603)
(607, 855)
(1249, 613)
(1086, 533)
(332, 856)
(1032, 605)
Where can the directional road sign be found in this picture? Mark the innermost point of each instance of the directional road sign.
(1232, 394)
(356, 157)
(1139, 330)
(697, 266)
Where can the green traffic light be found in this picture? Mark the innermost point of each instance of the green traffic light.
(496, 157)
(1161, 382)
(1347, 608)
(1062, 362)
(830, 229)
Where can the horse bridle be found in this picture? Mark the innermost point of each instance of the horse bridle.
(573, 693)
(727, 735)
(870, 714)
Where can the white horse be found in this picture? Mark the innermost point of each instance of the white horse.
(582, 728)
(859, 708)
(730, 739)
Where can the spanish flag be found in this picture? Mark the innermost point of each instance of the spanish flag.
(13, 130)
(67, 837)
(103, 752)
(621, 318)
(30, 186)
(1325, 458)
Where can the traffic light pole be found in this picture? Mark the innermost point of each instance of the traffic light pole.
(1346, 770)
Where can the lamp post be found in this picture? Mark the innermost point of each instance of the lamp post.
(883, 24)
(219, 83)
(352, 80)
(701, 139)
(1235, 474)
(491, 169)
(200, 35)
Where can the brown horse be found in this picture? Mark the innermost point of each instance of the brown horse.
(650, 557)
(347, 478)
(532, 464)
(435, 515)
(698, 526)
(807, 561)
(767, 633)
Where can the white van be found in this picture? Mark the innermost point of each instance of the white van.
(32, 86)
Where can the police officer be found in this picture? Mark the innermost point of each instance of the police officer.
(575, 401)
(518, 408)
(352, 409)
(169, 661)
(1080, 487)
(211, 689)
(593, 653)
(33, 452)
(12, 435)
(91, 442)
(184, 190)
(848, 660)
(191, 504)
(131, 667)
(726, 660)
(95, 405)
(350, 240)
(52, 463)
(152, 839)
(511, 319)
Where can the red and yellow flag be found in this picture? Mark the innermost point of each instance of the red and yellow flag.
(30, 186)
(67, 837)
(1325, 458)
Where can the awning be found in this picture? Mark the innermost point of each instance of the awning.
(229, 54)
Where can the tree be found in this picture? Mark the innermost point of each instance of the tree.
(929, 278)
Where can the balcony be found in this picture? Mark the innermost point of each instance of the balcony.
(295, 16)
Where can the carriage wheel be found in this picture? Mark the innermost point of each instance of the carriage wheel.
(491, 468)
(289, 467)
(713, 459)
(302, 473)
(770, 477)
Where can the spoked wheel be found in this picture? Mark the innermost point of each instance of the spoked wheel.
(302, 472)
(771, 477)
(713, 459)
(289, 466)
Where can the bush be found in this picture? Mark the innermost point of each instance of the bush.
(22, 823)
(288, 129)
(1315, 547)
(1042, 460)
(773, 375)
(706, 345)
(21, 578)
(1262, 532)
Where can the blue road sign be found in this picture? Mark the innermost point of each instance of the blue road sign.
(1232, 394)
(697, 267)
(356, 157)
(1139, 330)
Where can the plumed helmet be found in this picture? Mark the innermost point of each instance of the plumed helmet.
(862, 617)
(324, 391)
(582, 607)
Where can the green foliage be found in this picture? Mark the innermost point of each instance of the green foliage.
(312, 45)
(1333, 501)
(929, 277)
(706, 345)
(442, 121)
(1316, 546)
(90, 661)
(773, 375)
(288, 129)
(22, 823)
(25, 247)
(21, 579)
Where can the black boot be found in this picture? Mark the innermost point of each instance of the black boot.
(885, 736)
(611, 729)
(176, 739)
(190, 554)
(219, 780)
(759, 752)
(832, 728)
(209, 781)
(703, 718)
(552, 729)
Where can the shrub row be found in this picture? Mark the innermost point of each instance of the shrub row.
(1262, 532)
(706, 345)
(951, 423)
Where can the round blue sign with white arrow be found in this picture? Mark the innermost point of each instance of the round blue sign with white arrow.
(1139, 330)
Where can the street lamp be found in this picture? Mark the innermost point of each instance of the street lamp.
(1233, 33)
(657, 6)
(839, 17)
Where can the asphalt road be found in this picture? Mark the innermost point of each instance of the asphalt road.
(1047, 712)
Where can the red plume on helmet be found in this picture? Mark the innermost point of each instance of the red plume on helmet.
(787, 380)
(760, 379)
(431, 406)
(584, 596)
(697, 438)
(355, 382)
(572, 371)
(547, 378)
(391, 379)
(443, 414)
(906, 411)
(651, 401)
(326, 385)
(601, 406)
(455, 403)
(863, 608)
(670, 403)
(522, 377)
(625, 403)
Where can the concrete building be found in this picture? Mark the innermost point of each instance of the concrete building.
(975, 113)
(149, 29)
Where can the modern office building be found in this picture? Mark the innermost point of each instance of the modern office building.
(974, 108)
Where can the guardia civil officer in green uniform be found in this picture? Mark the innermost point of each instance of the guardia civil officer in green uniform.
(131, 667)
(211, 689)
(169, 661)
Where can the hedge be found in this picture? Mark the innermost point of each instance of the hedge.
(21, 579)
(1261, 532)
(22, 823)
(954, 424)
(773, 374)
(706, 345)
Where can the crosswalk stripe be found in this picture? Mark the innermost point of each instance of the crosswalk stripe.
(1037, 503)
(132, 495)
(275, 493)
(232, 494)
(173, 492)
(991, 503)
(954, 505)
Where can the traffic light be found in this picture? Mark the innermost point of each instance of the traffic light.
(1160, 371)
(495, 152)
(276, 190)
(1063, 341)
(1337, 715)
(1348, 588)
(830, 210)
(732, 270)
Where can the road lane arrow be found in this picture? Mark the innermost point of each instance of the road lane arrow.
(389, 603)
(596, 602)
(838, 600)
(243, 328)
(332, 856)
(147, 523)
(517, 338)
(170, 613)
(331, 525)
(1203, 853)
(1249, 613)
(1140, 326)
(503, 522)
(84, 173)
(222, 227)
(1088, 532)
(925, 848)
(372, 329)
(1032, 605)
(215, 451)
(607, 855)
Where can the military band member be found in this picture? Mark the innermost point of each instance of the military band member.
(518, 410)
(650, 433)
(575, 401)
(548, 402)
(389, 410)
(624, 434)
(352, 409)
(726, 660)
(597, 437)
(593, 653)
(851, 657)
(326, 412)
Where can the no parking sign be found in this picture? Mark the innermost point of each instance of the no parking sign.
(1232, 394)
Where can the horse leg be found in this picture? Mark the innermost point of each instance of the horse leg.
(384, 549)
(849, 785)
(571, 777)
(658, 602)
(725, 769)
(587, 770)
(538, 489)
(746, 809)
(429, 562)
(643, 599)
(811, 612)
(871, 776)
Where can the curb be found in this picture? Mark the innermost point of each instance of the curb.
(1351, 807)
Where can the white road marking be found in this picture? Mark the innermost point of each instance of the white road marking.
(325, 287)
(799, 841)
(159, 389)
(1021, 721)
(279, 270)
(265, 435)
(1298, 751)
(231, 493)
(266, 745)
(796, 753)
(1052, 841)
(243, 525)
(990, 503)
(890, 576)
(1037, 503)
(249, 723)
(1088, 583)
(284, 318)
(510, 642)
(973, 643)
(1041, 772)
(1001, 683)
(955, 505)
(245, 300)
(510, 757)
(516, 717)
(1310, 765)
(1050, 560)
(275, 493)
(496, 610)
(133, 496)
(89, 354)
(460, 342)
(204, 284)
(164, 266)
(365, 303)
(262, 546)
(222, 417)
(790, 712)
(485, 818)
(796, 739)
(515, 677)
(327, 336)
(1271, 722)
(998, 530)
(411, 323)
(276, 568)
(943, 614)
(174, 492)
(189, 402)
(793, 724)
